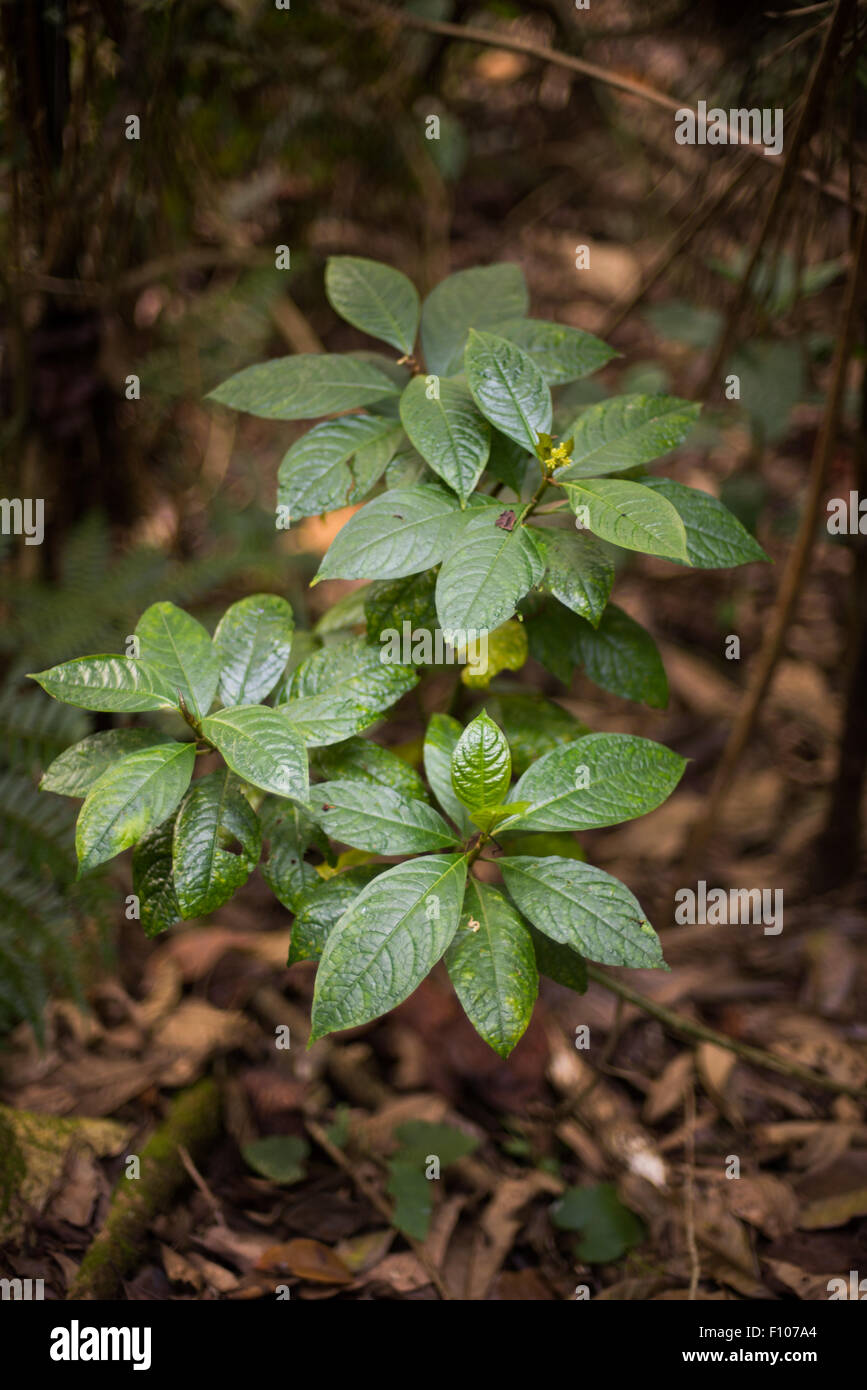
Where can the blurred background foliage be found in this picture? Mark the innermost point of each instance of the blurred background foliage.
(305, 129)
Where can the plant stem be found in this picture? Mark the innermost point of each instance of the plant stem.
(701, 1033)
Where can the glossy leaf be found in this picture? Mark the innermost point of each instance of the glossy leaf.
(533, 726)
(392, 602)
(336, 463)
(402, 532)
(508, 388)
(441, 739)
(715, 539)
(560, 352)
(601, 779)
(321, 905)
(213, 815)
(129, 799)
(621, 656)
(583, 907)
(388, 941)
(626, 431)
(253, 639)
(492, 965)
(448, 431)
(182, 651)
(481, 765)
(362, 760)
(262, 747)
(478, 298)
(304, 387)
(630, 515)
(578, 570)
(338, 691)
(375, 818)
(153, 881)
(485, 574)
(108, 684)
(290, 832)
(375, 298)
(74, 772)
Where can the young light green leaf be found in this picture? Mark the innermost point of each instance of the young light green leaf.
(338, 691)
(262, 747)
(448, 431)
(533, 726)
(441, 739)
(362, 760)
(621, 656)
(561, 353)
(304, 387)
(631, 515)
(253, 640)
(336, 463)
(152, 879)
(508, 387)
(601, 779)
(181, 650)
(321, 906)
(402, 532)
(375, 298)
(583, 907)
(375, 818)
(108, 684)
(479, 298)
(492, 965)
(74, 772)
(213, 815)
(481, 765)
(130, 798)
(626, 431)
(388, 941)
(290, 832)
(490, 817)
(715, 539)
(485, 574)
(578, 571)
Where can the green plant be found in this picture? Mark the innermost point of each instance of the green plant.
(463, 444)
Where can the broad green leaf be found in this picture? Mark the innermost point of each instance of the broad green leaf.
(561, 353)
(375, 818)
(447, 431)
(253, 639)
(375, 298)
(362, 760)
(601, 779)
(262, 747)
(715, 539)
(508, 388)
(278, 1157)
(479, 298)
(626, 431)
(505, 650)
(630, 515)
(213, 815)
(290, 832)
(578, 570)
(74, 772)
(492, 965)
(402, 532)
(336, 463)
(583, 907)
(304, 387)
(321, 905)
(621, 656)
(559, 963)
(512, 463)
(441, 739)
(481, 765)
(540, 843)
(129, 799)
(347, 612)
(609, 1228)
(485, 574)
(108, 684)
(181, 650)
(338, 691)
(388, 941)
(152, 879)
(392, 602)
(551, 641)
(533, 726)
(407, 468)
